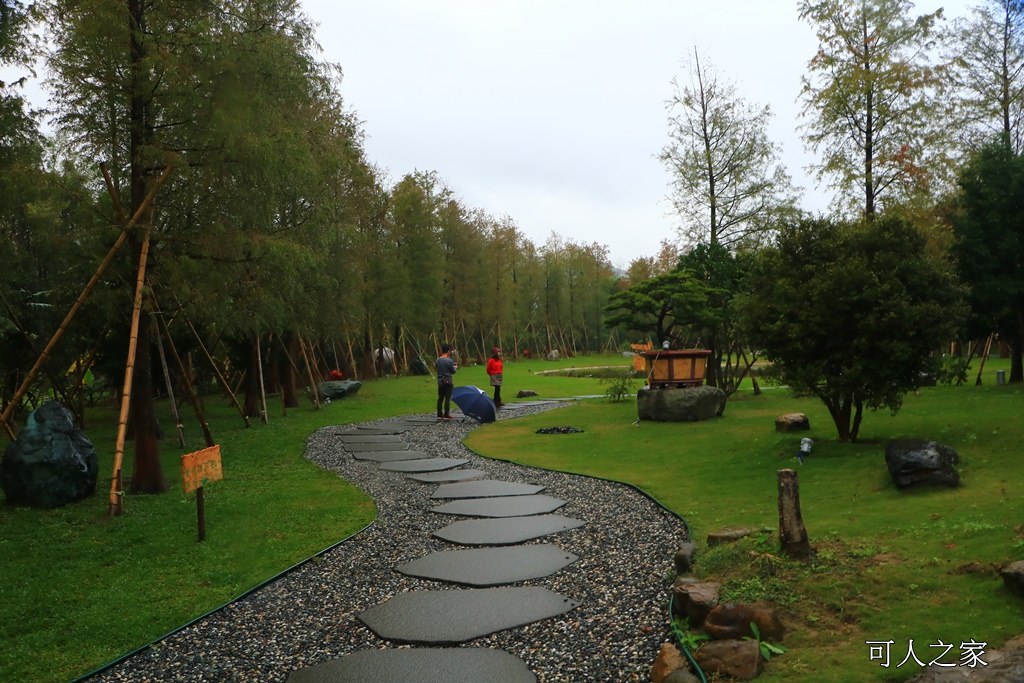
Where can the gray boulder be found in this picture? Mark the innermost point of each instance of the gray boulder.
(689, 404)
(917, 462)
(338, 389)
(417, 366)
(1013, 578)
(792, 422)
(51, 464)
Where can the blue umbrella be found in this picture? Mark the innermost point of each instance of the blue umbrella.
(475, 402)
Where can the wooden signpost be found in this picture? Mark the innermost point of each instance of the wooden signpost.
(197, 469)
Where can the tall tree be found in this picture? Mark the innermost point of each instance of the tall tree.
(989, 228)
(728, 185)
(986, 50)
(851, 312)
(869, 100)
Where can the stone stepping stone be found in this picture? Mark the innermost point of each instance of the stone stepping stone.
(485, 488)
(445, 477)
(432, 665)
(370, 438)
(369, 431)
(449, 617)
(509, 506)
(506, 530)
(370, 447)
(388, 456)
(427, 465)
(490, 566)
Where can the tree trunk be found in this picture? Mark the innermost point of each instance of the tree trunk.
(252, 382)
(147, 473)
(288, 379)
(792, 534)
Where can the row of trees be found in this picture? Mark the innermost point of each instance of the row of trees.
(271, 224)
(917, 126)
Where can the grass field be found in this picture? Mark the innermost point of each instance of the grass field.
(80, 588)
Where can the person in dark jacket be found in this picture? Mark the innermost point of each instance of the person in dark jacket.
(446, 368)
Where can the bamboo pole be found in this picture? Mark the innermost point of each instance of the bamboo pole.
(309, 370)
(263, 391)
(170, 391)
(30, 377)
(189, 390)
(58, 390)
(116, 501)
(981, 367)
(220, 376)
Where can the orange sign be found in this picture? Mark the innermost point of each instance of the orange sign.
(200, 467)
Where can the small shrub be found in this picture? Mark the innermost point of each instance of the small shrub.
(620, 385)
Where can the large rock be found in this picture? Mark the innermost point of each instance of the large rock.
(916, 462)
(1013, 578)
(526, 393)
(51, 464)
(417, 366)
(339, 389)
(737, 658)
(1003, 666)
(792, 422)
(693, 600)
(689, 404)
(669, 660)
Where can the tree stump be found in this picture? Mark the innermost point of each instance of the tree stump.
(792, 533)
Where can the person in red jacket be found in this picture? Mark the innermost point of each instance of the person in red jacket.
(494, 369)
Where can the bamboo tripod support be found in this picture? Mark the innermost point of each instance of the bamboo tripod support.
(170, 391)
(263, 392)
(183, 372)
(116, 502)
(30, 377)
(220, 375)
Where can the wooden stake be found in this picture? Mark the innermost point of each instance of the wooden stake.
(220, 376)
(184, 374)
(313, 386)
(170, 391)
(792, 533)
(263, 391)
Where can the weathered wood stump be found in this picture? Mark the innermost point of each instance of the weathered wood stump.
(792, 533)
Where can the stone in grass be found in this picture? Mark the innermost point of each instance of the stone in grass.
(559, 430)
(694, 600)
(526, 393)
(52, 463)
(1013, 578)
(338, 389)
(689, 404)
(917, 462)
(729, 621)
(683, 559)
(730, 534)
(737, 658)
(669, 660)
(792, 422)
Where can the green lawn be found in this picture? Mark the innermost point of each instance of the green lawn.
(81, 589)
(891, 565)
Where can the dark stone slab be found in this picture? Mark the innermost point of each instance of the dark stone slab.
(457, 616)
(449, 476)
(389, 456)
(508, 506)
(431, 665)
(427, 465)
(366, 431)
(490, 566)
(370, 438)
(485, 488)
(505, 531)
(370, 447)
(390, 428)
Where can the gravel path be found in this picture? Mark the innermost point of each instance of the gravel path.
(310, 615)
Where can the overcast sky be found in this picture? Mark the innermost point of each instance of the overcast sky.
(553, 111)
